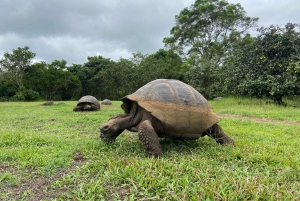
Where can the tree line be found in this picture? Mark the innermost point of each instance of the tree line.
(209, 48)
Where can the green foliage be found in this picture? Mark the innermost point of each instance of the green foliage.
(124, 76)
(100, 76)
(204, 34)
(205, 77)
(268, 66)
(15, 64)
(25, 95)
(62, 64)
(34, 74)
(88, 71)
(8, 179)
(162, 64)
(115, 81)
(7, 90)
(208, 29)
(59, 84)
(52, 82)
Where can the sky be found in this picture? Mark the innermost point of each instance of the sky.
(74, 29)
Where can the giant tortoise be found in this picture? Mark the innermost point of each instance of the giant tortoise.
(87, 103)
(165, 108)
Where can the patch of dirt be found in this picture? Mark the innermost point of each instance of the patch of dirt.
(47, 103)
(36, 186)
(256, 119)
(5, 168)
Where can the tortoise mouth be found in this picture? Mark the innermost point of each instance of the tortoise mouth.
(107, 134)
(108, 138)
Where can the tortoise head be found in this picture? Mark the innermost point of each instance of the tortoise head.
(113, 128)
(86, 106)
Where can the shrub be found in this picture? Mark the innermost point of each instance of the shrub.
(25, 95)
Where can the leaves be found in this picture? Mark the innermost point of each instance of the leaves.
(15, 64)
(268, 66)
(208, 29)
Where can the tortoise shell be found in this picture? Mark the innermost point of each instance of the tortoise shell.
(89, 99)
(106, 102)
(181, 109)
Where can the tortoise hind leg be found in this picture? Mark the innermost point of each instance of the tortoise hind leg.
(149, 138)
(217, 133)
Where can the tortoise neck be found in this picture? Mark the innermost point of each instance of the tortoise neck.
(133, 117)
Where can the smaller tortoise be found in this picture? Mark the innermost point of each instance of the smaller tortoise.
(87, 103)
(167, 109)
(106, 102)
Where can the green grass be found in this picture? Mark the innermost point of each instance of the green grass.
(258, 108)
(37, 143)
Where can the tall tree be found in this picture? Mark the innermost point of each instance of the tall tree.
(207, 29)
(88, 71)
(51, 81)
(268, 66)
(204, 35)
(59, 64)
(34, 75)
(161, 64)
(14, 65)
(115, 81)
(58, 84)
(96, 63)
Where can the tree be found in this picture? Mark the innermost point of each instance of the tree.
(7, 90)
(96, 63)
(268, 66)
(62, 64)
(162, 64)
(234, 68)
(88, 71)
(52, 82)
(58, 84)
(137, 58)
(115, 81)
(34, 76)
(204, 35)
(14, 65)
(208, 29)
(82, 73)
(206, 79)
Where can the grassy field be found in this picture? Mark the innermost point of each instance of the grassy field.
(53, 153)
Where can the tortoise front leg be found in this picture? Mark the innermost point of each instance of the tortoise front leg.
(94, 108)
(149, 138)
(77, 108)
(217, 133)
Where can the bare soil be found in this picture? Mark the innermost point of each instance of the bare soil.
(262, 120)
(37, 186)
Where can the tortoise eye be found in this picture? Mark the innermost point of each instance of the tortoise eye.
(104, 128)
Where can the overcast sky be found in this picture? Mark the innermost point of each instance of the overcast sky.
(74, 29)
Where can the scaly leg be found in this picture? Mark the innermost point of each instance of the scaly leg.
(149, 138)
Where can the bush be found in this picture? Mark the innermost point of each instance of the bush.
(3, 98)
(7, 89)
(25, 95)
(207, 79)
